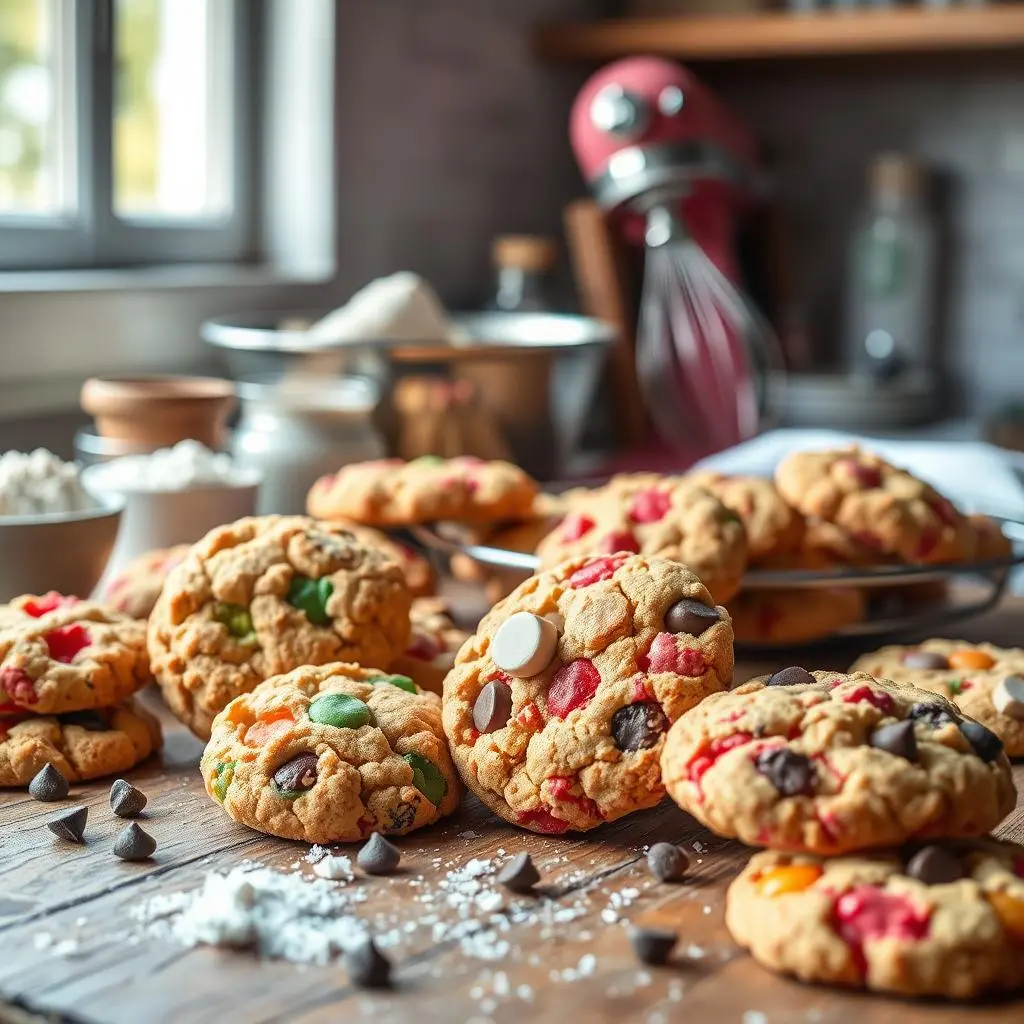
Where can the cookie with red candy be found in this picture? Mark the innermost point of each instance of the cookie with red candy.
(939, 919)
(433, 643)
(60, 654)
(828, 763)
(557, 709)
(136, 588)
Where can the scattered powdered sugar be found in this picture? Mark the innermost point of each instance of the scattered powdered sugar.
(44, 942)
(334, 868)
(316, 853)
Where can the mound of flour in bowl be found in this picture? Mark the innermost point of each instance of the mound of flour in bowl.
(187, 464)
(40, 483)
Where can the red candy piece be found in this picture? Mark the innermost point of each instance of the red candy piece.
(19, 687)
(868, 912)
(1018, 866)
(426, 648)
(649, 506)
(594, 571)
(864, 694)
(37, 607)
(642, 689)
(574, 686)
(66, 641)
(620, 540)
(927, 544)
(713, 751)
(666, 655)
(529, 717)
(577, 526)
(866, 476)
(542, 820)
(868, 539)
(944, 509)
(561, 786)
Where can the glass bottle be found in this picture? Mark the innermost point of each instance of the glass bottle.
(523, 263)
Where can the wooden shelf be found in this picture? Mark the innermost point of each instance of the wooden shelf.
(779, 36)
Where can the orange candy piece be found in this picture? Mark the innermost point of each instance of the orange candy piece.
(966, 658)
(792, 878)
(267, 726)
(1010, 911)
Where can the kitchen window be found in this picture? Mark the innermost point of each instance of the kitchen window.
(127, 132)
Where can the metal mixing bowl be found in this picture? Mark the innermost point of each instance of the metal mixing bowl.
(65, 552)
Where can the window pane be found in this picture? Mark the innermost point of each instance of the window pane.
(171, 142)
(30, 159)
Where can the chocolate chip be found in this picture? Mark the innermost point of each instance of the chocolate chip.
(519, 874)
(792, 676)
(935, 715)
(69, 825)
(897, 738)
(378, 856)
(667, 862)
(987, 745)
(125, 800)
(296, 775)
(401, 816)
(48, 785)
(134, 844)
(638, 726)
(653, 945)
(367, 966)
(925, 660)
(934, 866)
(790, 773)
(91, 721)
(493, 707)
(691, 617)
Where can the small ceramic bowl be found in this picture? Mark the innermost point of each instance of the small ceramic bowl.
(66, 551)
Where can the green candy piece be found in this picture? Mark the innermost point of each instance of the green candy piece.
(236, 617)
(339, 710)
(428, 460)
(402, 682)
(427, 778)
(311, 596)
(955, 686)
(225, 773)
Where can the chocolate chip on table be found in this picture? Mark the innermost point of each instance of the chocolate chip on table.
(936, 715)
(297, 775)
(493, 707)
(925, 660)
(69, 825)
(688, 616)
(132, 843)
(378, 856)
(48, 785)
(934, 865)
(791, 676)
(638, 726)
(125, 800)
(790, 773)
(367, 966)
(897, 738)
(520, 874)
(667, 862)
(987, 745)
(653, 945)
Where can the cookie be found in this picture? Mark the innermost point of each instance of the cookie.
(390, 492)
(332, 755)
(827, 763)
(557, 707)
(262, 596)
(433, 644)
(945, 919)
(989, 540)
(875, 504)
(79, 744)
(797, 616)
(673, 519)
(135, 589)
(773, 528)
(984, 681)
(61, 654)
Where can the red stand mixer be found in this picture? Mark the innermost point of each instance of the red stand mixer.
(674, 169)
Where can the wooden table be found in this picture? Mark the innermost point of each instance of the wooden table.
(574, 967)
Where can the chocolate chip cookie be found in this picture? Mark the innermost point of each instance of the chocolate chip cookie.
(557, 708)
(943, 919)
(827, 763)
(263, 596)
(61, 654)
(775, 618)
(135, 589)
(331, 755)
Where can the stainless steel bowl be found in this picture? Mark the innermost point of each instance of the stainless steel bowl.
(65, 552)
(536, 373)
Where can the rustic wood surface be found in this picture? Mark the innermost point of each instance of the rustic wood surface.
(117, 973)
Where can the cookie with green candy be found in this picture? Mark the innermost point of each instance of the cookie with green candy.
(332, 754)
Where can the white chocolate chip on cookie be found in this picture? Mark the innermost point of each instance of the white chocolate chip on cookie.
(1008, 697)
(524, 644)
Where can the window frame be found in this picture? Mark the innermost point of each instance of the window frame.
(92, 235)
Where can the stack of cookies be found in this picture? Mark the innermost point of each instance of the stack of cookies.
(874, 800)
(68, 670)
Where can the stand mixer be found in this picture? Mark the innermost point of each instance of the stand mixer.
(673, 168)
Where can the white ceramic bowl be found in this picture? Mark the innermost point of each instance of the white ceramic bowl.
(66, 551)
